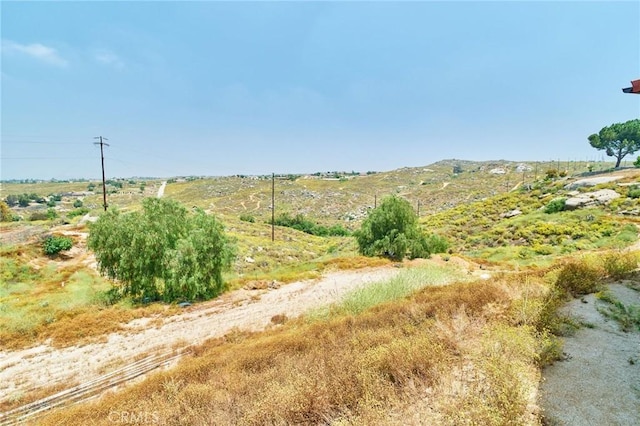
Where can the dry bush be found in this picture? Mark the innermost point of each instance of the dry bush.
(579, 277)
(73, 327)
(345, 367)
(618, 265)
(356, 262)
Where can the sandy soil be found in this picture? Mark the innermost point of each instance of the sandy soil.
(598, 383)
(161, 189)
(27, 369)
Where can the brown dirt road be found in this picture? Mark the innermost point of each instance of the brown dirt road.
(598, 383)
(22, 371)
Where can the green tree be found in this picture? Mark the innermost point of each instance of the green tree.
(391, 230)
(77, 203)
(162, 253)
(23, 200)
(12, 200)
(618, 140)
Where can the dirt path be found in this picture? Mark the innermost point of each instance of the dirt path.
(161, 189)
(599, 381)
(252, 199)
(42, 366)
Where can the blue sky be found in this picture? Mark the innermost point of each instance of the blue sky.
(222, 88)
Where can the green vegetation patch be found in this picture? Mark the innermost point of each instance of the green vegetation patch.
(628, 316)
(406, 282)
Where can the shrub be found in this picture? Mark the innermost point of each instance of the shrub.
(54, 244)
(52, 213)
(437, 244)
(634, 191)
(12, 200)
(338, 231)
(23, 200)
(555, 205)
(77, 203)
(301, 223)
(578, 277)
(618, 265)
(5, 212)
(78, 212)
(247, 218)
(38, 216)
(542, 249)
(391, 230)
(551, 174)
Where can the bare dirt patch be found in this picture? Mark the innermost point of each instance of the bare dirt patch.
(598, 382)
(23, 371)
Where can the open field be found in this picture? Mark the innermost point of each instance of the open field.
(308, 330)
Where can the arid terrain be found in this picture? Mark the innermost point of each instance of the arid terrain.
(502, 238)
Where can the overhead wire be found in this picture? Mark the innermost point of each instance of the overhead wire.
(29, 140)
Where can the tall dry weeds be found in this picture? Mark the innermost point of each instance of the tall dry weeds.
(343, 369)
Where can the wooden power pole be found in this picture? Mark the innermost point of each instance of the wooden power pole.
(273, 206)
(104, 184)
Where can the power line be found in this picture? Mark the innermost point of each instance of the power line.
(19, 142)
(104, 184)
(44, 158)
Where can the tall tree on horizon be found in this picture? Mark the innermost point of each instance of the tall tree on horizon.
(618, 139)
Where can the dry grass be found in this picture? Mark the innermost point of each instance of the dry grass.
(34, 395)
(352, 369)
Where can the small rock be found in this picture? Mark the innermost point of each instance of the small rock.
(511, 213)
(70, 254)
(274, 285)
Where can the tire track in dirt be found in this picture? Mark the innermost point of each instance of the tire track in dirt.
(22, 371)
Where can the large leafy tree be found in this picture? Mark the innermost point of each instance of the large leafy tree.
(391, 230)
(163, 252)
(618, 139)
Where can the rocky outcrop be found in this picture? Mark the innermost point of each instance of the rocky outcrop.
(588, 199)
(511, 213)
(592, 181)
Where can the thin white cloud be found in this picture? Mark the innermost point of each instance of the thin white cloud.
(109, 58)
(37, 51)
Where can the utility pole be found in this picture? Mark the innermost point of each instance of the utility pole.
(104, 184)
(273, 206)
